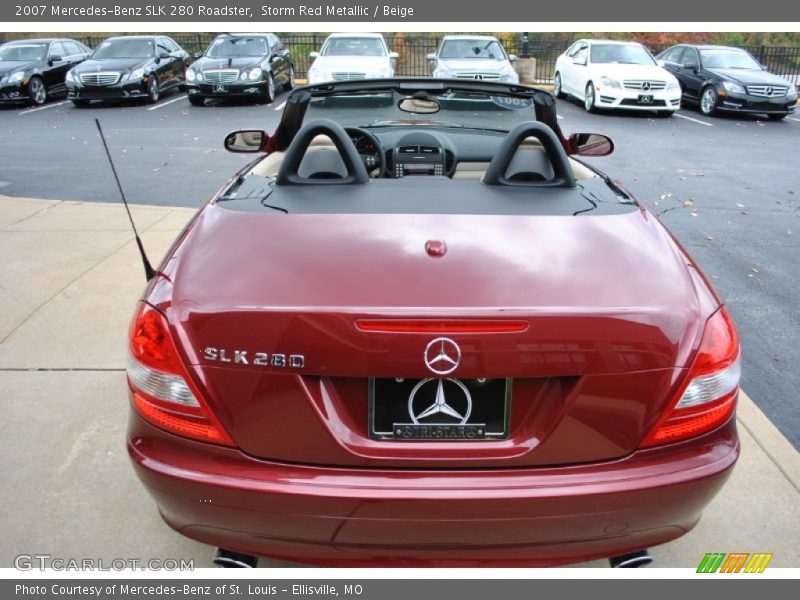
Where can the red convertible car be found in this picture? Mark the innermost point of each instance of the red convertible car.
(417, 330)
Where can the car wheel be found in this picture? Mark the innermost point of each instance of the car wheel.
(269, 93)
(289, 84)
(557, 91)
(36, 91)
(153, 93)
(589, 98)
(777, 117)
(708, 101)
(80, 103)
(197, 100)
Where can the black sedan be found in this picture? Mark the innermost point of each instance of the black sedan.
(244, 65)
(32, 71)
(128, 67)
(720, 78)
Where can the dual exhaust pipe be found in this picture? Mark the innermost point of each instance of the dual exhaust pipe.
(229, 559)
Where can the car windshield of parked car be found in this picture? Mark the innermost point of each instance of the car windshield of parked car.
(627, 54)
(125, 48)
(21, 52)
(472, 49)
(728, 59)
(353, 46)
(235, 47)
(462, 109)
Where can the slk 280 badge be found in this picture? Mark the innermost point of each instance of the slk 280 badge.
(257, 359)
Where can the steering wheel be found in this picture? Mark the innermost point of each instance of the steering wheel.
(356, 171)
(369, 149)
(563, 175)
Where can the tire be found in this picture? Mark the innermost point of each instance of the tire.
(197, 100)
(289, 84)
(37, 92)
(153, 93)
(708, 101)
(557, 90)
(589, 98)
(81, 103)
(269, 94)
(777, 117)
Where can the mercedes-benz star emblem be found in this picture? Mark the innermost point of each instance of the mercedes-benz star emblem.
(440, 404)
(646, 86)
(442, 356)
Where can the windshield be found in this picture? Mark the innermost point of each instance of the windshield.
(728, 59)
(240, 46)
(125, 48)
(353, 46)
(629, 54)
(476, 48)
(23, 52)
(474, 110)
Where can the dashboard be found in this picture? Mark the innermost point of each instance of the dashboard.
(394, 155)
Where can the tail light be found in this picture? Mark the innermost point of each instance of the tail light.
(708, 398)
(161, 390)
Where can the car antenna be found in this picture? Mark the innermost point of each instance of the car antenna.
(149, 272)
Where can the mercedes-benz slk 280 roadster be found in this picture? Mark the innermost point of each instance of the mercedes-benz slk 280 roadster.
(418, 330)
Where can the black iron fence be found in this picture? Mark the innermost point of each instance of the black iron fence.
(413, 49)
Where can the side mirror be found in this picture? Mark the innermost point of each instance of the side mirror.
(197, 55)
(394, 55)
(763, 67)
(431, 56)
(513, 57)
(313, 54)
(661, 63)
(690, 66)
(590, 144)
(54, 59)
(248, 140)
(581, 60)
(164, 56)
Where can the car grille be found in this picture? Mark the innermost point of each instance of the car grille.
(99, 78)
(767, 91)
(644, 85)
(347, 76)
(221, 76)
(478, 76)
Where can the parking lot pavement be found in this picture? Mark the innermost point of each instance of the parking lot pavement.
(70, 280)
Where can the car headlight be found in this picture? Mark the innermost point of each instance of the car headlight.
(792, 93)
(71, 76)
(254, 74)
(137, 73)
(316, 75)
(190, 75)
(609, 82)
(16, 77)
(733, 87)
(673, 85)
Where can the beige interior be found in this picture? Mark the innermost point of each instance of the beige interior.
(464, 170)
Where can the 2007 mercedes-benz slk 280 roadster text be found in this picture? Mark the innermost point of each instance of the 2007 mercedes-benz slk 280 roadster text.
(417, 331)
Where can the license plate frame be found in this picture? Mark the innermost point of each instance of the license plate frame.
(220, 88)
(646, 99)
(495, 428)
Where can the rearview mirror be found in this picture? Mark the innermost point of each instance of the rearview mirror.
(54, 58)
(661, 63)
(197, 55)
(419, 105)
(394, 55)
(513, 57)
(247, 140)
(590, 144)
(431, 56)
(580, 60)
(314, 54)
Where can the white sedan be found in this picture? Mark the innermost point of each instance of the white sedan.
(347, 56)
(473, 57)
(611, 74)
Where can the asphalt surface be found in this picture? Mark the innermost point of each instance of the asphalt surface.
(728, 188)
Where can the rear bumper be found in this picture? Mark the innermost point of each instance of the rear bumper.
(514, 517)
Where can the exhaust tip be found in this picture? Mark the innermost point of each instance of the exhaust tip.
(633, 560)
(228, 559)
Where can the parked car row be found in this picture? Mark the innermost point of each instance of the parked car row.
(606, 74)
(602, 74)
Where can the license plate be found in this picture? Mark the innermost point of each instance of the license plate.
(645, 98)
(220, 89)
(439, 409)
